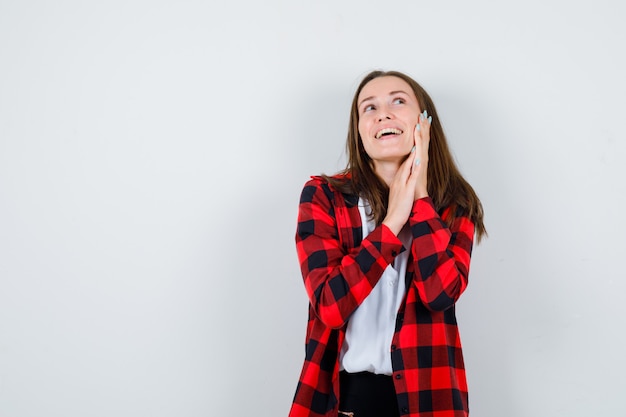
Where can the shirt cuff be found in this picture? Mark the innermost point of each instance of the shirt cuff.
(390, 245)
(423, 209)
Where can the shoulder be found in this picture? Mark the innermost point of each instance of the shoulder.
(329, 187)
(331, 180)
(316, 187)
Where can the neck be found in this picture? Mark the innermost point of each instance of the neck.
(386, 170)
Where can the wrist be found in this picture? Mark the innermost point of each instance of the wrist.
(392, 225)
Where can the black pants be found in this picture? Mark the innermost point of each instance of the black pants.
(367, 395)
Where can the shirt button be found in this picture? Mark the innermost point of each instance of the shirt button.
(405, 410)
(398, 376)
(393, 347)
(394, 253)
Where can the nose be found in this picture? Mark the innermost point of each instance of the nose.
(383, 114)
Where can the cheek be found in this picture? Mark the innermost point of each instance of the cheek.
(365, 142)
(365, 128)
(361, 128)
(368, 150)
(412, 117)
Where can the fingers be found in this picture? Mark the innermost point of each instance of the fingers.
(403, 174)
(422, 128)
(422, 135)
(413, 158)
(418, 176)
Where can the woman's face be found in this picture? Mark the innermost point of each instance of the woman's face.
(388, 112)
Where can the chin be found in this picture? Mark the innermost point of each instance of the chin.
(399, 157)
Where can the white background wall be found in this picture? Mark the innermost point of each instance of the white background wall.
(151, 159)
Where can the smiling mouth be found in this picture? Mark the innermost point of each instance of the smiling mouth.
(387, 132)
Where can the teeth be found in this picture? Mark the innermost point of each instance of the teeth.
(388, 130)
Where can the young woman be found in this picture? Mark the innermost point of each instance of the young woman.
(384, 248)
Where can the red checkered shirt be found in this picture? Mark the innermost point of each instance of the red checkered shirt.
(340, 269)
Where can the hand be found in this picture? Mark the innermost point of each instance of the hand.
(422, 142)
(410, 182)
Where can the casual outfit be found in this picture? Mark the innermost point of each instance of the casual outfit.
(381, 311)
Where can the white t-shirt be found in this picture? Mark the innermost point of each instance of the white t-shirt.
(367, 346)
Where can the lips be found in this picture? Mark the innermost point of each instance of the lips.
(387, 131)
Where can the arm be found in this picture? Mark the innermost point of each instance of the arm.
(441, 255)
(337, 282)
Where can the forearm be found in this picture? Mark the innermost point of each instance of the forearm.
(441, 256)
(338, 282)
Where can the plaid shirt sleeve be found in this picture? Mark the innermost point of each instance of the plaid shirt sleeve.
(337, 279)
(441, 255)
(429, 371)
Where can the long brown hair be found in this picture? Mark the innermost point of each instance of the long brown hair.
(446, 186)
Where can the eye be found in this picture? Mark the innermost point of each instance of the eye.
(369, 107)
(398, 100)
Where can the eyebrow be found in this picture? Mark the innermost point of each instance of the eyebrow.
(391, 93)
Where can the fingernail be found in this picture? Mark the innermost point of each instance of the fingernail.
(413, 149)
(430, 119)
(418, 127)
(417, 161)
(425, 114)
